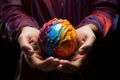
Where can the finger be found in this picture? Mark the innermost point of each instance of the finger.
(47, 61)
(33, 61)
(36, 61)
(63, 69)
(52, 65)
(66, 66)
(87, 45)
(66, 69)
(48, 64)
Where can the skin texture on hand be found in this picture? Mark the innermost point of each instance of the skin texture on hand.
(86, 38)
(28, 40)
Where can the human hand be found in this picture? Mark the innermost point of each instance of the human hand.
(86, 39)
(28, 40)
(73, 64)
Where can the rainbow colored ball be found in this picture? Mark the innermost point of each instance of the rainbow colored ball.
(58, 38)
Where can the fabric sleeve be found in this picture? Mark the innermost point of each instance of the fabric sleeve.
(102, 13)
(13, 18)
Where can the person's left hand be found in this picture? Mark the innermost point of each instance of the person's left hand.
(73, 64)
(86, 39)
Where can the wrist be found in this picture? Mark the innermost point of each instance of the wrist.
(15, 35)
(96, 30)
(93, 27)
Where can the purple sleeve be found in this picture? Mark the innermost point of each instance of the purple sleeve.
(104, 15)
(14, 18)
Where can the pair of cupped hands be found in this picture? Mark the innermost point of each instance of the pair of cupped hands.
(29, 44)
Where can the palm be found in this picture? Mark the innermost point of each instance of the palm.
(86, 38)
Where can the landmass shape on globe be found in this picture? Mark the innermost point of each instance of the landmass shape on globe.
(58, 38)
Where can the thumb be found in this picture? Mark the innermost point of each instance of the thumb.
(26, 46)
(87, 45)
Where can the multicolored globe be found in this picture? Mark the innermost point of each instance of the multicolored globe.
(58, 38)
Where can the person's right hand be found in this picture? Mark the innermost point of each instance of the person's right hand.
(28, 40)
